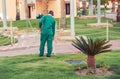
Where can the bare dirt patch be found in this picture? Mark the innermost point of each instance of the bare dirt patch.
(99, 72)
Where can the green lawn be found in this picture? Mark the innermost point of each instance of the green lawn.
(56, 67)
(5, 40)
(80, 27)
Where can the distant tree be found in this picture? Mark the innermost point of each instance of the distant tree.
(118, 11)
(95, 6)
(113, 5)
(103, 2)
(84, 11)
(63, 15)
(45, 8)
(78, 5)
(17, 10)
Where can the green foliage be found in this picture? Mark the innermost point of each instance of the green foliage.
(104, 66)
(34, 67)
(79, 13)
(21, 24)
(91, 47)
(103, 2)
(4, 40)
(90, 71)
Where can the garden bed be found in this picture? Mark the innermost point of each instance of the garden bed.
(100, 72)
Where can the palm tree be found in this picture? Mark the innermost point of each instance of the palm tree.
(45, 8)
(113, 5)
(118, 12)
(91, 48)
(84, 12)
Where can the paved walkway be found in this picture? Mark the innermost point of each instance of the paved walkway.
(111, 16)
(30, 45)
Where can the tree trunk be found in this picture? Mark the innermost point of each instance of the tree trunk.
(17, 10)
(78, 5)
(105, 7)
(63, 15)
(94, 10)
(118, 12)
(113, 6)
(84, 11)
(45, 6)
(91, 62)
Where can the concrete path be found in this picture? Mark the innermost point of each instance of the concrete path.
(111, 16)
(59, 47)
(29, 44)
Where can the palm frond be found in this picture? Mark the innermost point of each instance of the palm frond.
(91, 47)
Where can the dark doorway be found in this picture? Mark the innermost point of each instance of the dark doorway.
(29, 11)
(68, 8)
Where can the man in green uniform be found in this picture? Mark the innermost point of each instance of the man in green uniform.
(47, 27)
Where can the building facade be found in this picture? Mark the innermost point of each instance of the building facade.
(58, 6)
(10, 9)
(21, 9)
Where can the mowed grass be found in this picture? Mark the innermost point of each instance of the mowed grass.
(5, 40)
(80, 27)
(56, 67)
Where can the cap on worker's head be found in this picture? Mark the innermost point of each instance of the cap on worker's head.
(51, 12)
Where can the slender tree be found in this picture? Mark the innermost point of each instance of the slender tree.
(63, 15)
(84, 7)
(78, 5)
(113, 5)
(118, 11)
(17, 10)
(45, 6)
(103, 2)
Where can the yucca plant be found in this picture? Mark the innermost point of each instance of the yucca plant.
(91, 48)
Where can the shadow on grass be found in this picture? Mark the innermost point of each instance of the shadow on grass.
(116, 69)
(27, 61)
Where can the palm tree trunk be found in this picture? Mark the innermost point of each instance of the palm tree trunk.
(118, 12)
(91, 62)
(113, 6)
(63, 15)
(45, 6)
(17, 10)
(84, 12)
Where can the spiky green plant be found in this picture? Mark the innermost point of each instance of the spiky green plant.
(91, 48)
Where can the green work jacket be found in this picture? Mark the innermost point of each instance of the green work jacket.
(47, 25)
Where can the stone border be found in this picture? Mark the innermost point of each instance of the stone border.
(101, 25)
(87, 17)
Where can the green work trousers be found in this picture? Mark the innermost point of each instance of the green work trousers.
(49, 39)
